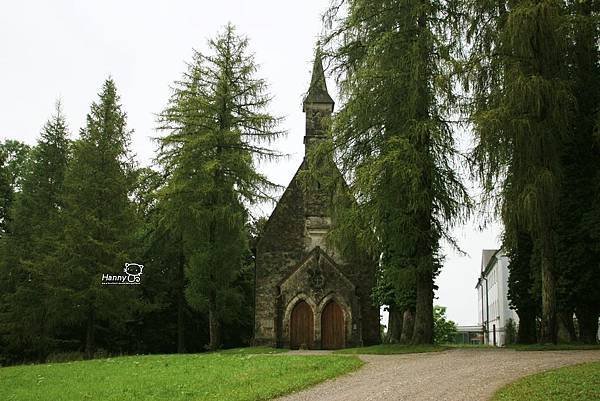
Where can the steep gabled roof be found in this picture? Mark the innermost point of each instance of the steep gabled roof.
(486, 256)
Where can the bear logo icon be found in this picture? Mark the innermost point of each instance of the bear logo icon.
(133, 269)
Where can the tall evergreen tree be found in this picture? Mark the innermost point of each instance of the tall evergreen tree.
(32, 245)
(521, 113)
(393, 137)
(99, 217)
(40, 200)
(216, 123)
(577, 250)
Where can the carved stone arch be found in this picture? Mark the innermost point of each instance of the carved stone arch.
(346, 310)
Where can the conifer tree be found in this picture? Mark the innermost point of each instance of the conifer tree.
(217, 124)
(521, 113)
(32, 245)
(99, 217)
(393, 137)
(578, 253)
(522, 282)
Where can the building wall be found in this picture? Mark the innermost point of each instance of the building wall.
(495, 314)
(295, 229)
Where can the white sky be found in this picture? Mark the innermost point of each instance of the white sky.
(66, 49)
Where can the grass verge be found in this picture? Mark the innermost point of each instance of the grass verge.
(579, 382)
(389, 349)
(212, 376)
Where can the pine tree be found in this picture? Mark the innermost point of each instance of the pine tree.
(216, 123)
(393, 137)
(521, 112)
(99, 217)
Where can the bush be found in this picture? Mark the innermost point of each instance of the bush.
(443, 329)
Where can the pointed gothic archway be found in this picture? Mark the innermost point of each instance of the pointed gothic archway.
(302, 326)
(333, 327)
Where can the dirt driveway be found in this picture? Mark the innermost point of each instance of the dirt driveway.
(455, 375)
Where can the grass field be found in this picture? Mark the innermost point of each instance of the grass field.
(389, 349)
(226, 376)
(580, 382)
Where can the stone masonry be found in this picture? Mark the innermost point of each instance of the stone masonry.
(294, 262)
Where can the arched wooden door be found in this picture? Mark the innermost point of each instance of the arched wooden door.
(301, 326)
(333, 327)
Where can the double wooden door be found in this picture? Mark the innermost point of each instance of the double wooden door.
(333, 328)
(302, 326)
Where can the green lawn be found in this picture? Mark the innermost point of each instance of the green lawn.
(389, 349)
(580, 382)
(223, 376)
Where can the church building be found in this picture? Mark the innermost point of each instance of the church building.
(307, 295)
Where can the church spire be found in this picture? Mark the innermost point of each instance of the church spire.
(317, 106)
(317, 91)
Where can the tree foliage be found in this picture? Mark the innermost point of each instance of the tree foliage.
(393, 139)
(533, 73)
(217, 127)
(443, 329)
(99, 218)
(30, 301)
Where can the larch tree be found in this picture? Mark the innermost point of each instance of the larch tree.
(578, 253)
(521, 112)
(217, 127)
(392, 136)
(99, 218)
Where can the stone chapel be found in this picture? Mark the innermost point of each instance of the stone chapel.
(307, 296)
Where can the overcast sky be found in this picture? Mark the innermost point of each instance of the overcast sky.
(64, 50)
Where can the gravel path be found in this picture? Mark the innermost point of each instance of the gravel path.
(461, 375)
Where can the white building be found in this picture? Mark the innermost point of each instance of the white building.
(492, 297)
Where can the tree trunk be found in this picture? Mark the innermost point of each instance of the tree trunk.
(566, 327)
(423, 330)
(394, 324)
(548, 330)
(180, 306)
(90, 346)
(408, 324)
(527, 326)
(214, 324)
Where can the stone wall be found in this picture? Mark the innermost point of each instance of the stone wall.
(293, 237)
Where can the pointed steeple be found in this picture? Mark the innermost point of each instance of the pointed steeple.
(317, 92)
